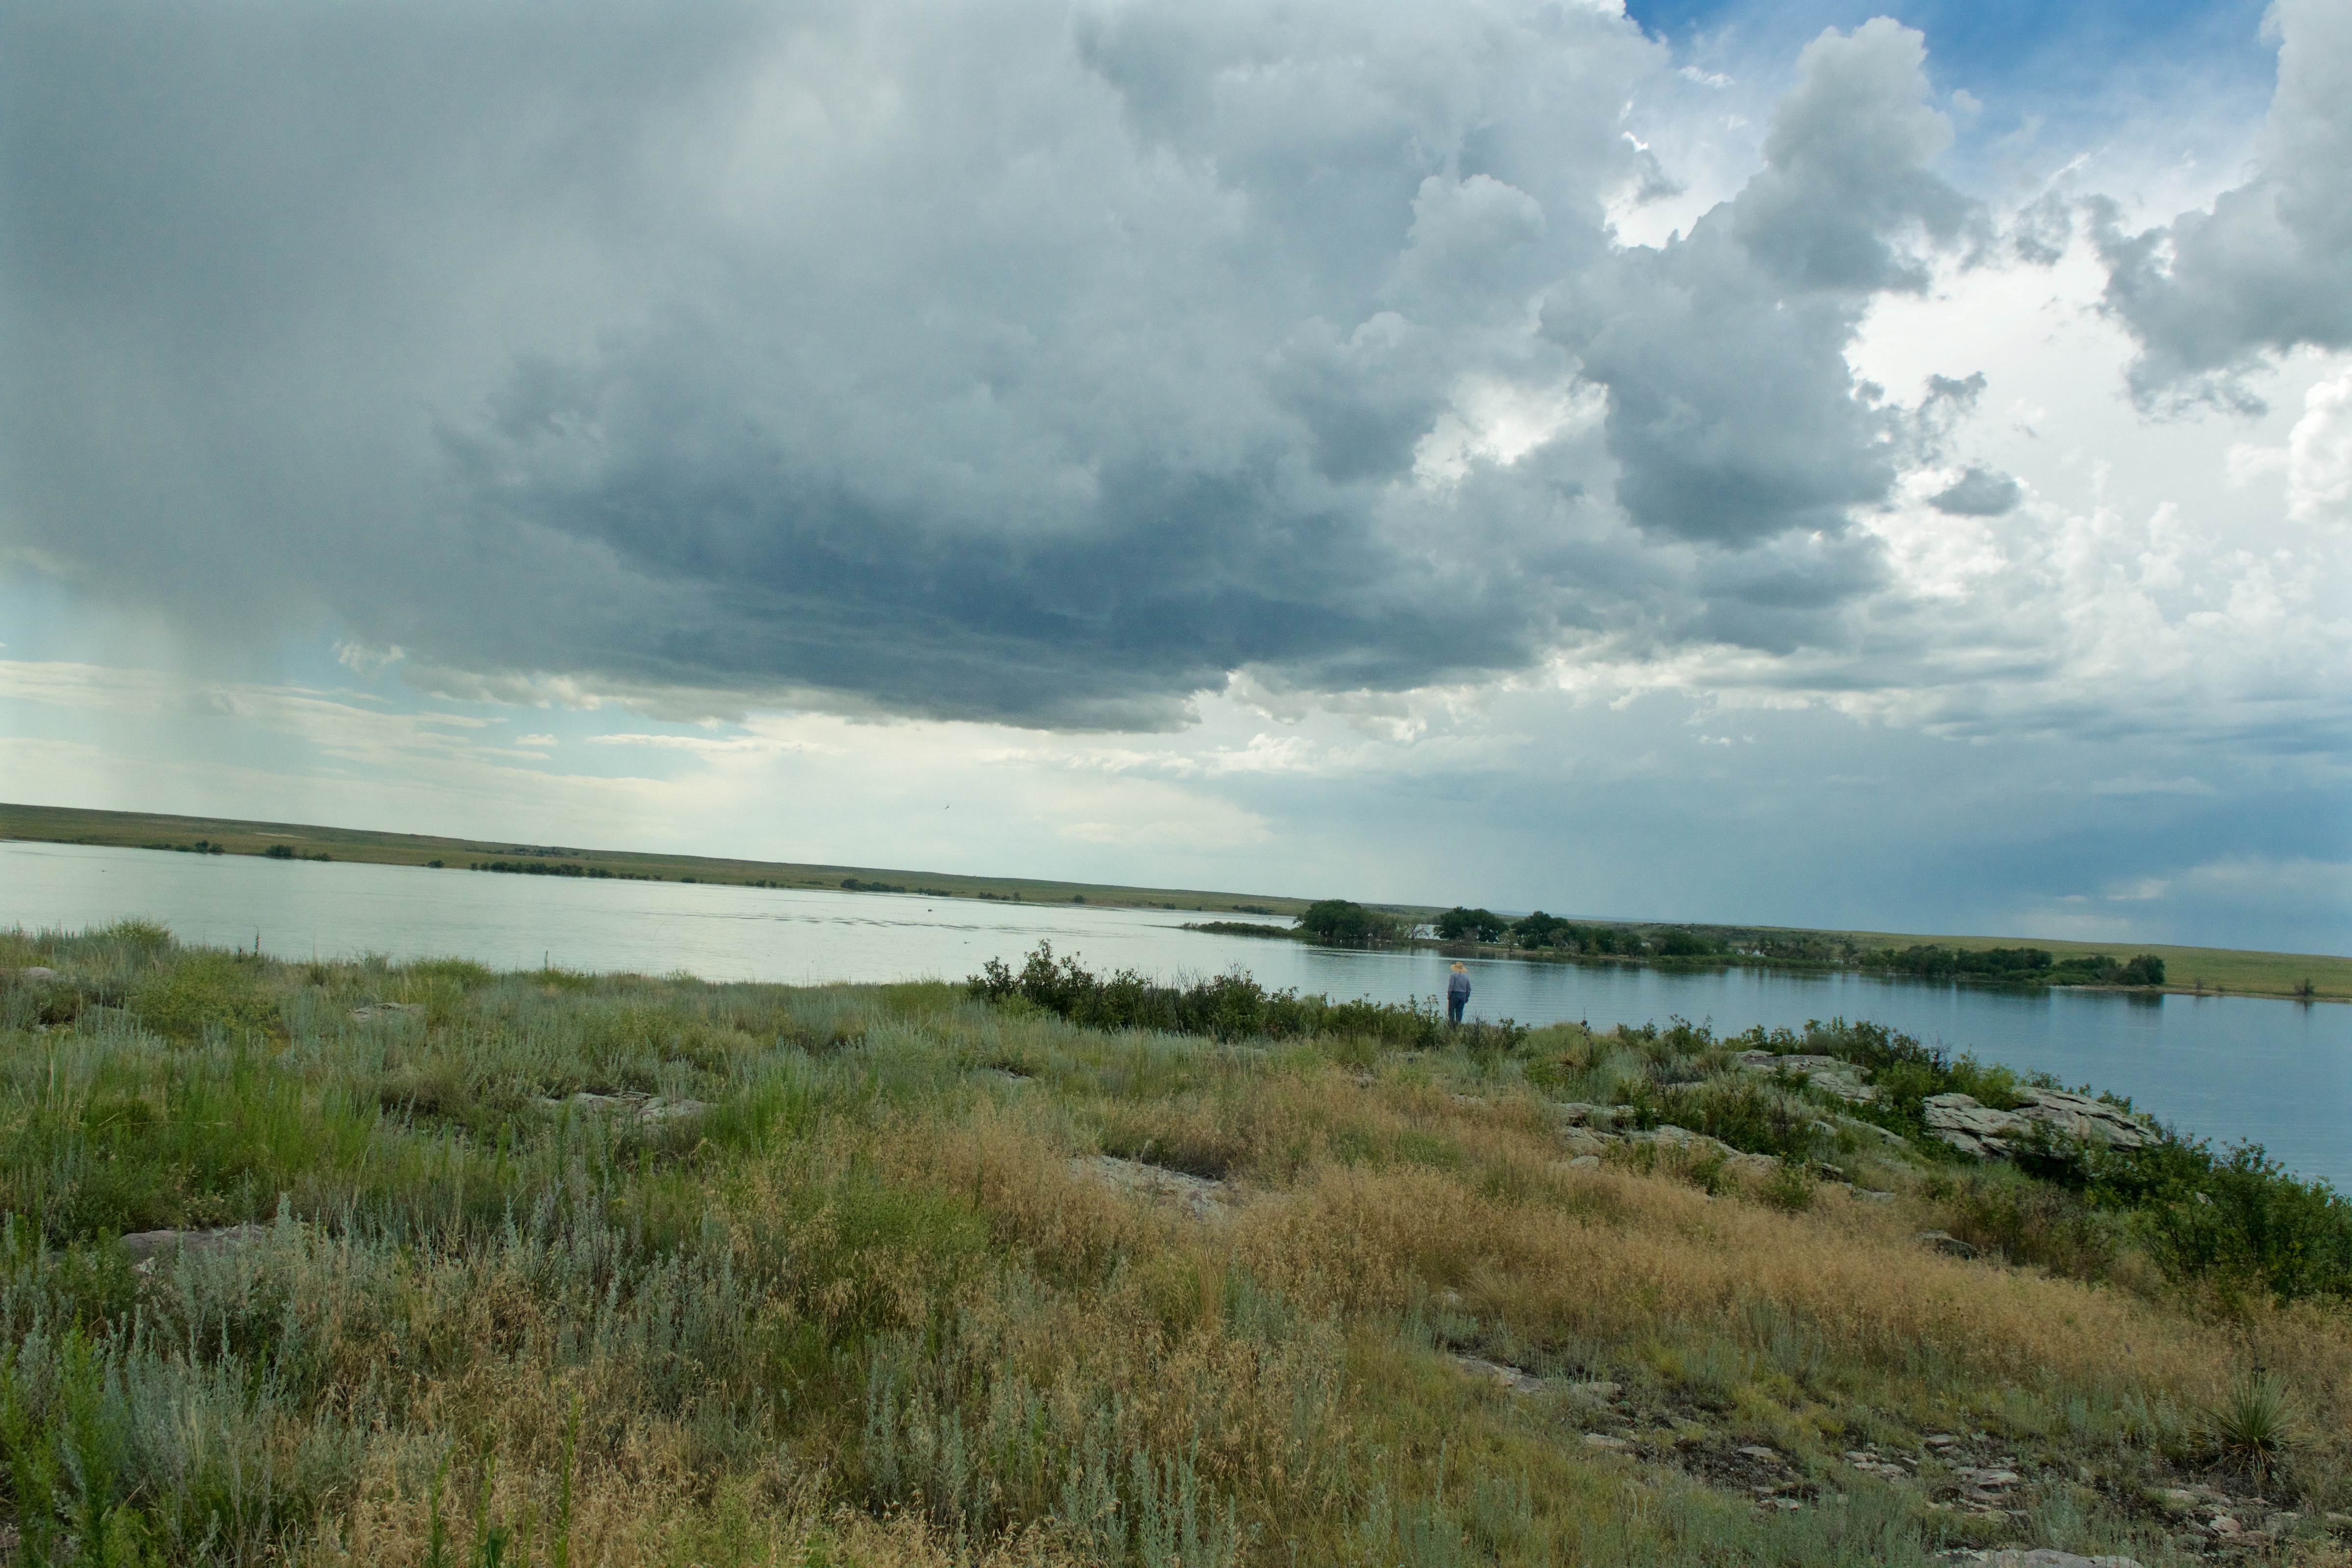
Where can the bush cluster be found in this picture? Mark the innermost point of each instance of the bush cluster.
(2018, 966)
(1232, 1006)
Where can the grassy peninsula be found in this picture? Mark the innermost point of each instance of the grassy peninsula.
(360, 1263)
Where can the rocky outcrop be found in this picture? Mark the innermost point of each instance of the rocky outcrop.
(1828, 1074)
(1974, 1128)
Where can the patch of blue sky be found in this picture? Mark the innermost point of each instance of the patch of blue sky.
(2173, 78)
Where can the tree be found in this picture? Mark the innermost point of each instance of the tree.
(1537, 930)
(1342, 924)
(1458, 924)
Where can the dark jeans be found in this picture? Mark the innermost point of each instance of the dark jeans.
(1454, 1005)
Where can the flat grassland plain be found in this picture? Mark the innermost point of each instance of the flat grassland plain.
(557, 1268)
(2326, 977)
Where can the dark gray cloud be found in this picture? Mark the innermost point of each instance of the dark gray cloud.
(2270, 268)
(1978, 492)
(1016, 362)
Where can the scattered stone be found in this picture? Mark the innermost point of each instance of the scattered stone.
(1603, 1440)
(2176, 1500)
(149, 1248)
(1510, 1377)
(1585, 1162)
(1871, 1464)
(1596, 1391)
(1990, 1480)
(1769, 1456)
(1941, 1440)
(1197, 1197)
(1580, 1115)
(1945, 1242)
(1758, 1165)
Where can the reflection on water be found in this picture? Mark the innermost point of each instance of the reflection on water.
(2226, 1068)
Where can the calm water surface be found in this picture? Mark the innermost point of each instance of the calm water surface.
(2226, 1068)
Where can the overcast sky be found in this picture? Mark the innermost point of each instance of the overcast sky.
(1774, 463)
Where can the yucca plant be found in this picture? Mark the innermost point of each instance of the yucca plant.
(2254, 1425)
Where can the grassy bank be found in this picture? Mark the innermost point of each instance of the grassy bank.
(210, 834)
(553, 1268)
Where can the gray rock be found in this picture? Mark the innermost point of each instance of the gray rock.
(649, 1109)
(1510, 1377)
(149, 1248)
(1603, 1440)
(367, 1013)
(35, 972)
(1828, 1074)
(1197, 1197)
(2042, 1557)
(1945, 1242)
(1585, 1162)
(1978, 1129)
(1584, 1141)
(1580, 1115)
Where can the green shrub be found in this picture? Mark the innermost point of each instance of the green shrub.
(204, 991)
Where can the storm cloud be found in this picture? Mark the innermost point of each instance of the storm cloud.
(1018, 361)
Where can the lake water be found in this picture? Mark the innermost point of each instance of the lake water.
(2226, 1068)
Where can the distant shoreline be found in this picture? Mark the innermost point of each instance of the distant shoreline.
(2190, 970)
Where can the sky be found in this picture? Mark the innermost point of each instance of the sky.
(1798, 464)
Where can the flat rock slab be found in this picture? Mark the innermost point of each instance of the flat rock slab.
(1197, 1197)
(649, 1109)
(2042, 1557)
(1510, 1377)
(147, 1247)
(1975, 1128)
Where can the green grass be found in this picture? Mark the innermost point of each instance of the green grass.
(864, 1306)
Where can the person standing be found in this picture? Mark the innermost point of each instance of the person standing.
(1458, 993)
